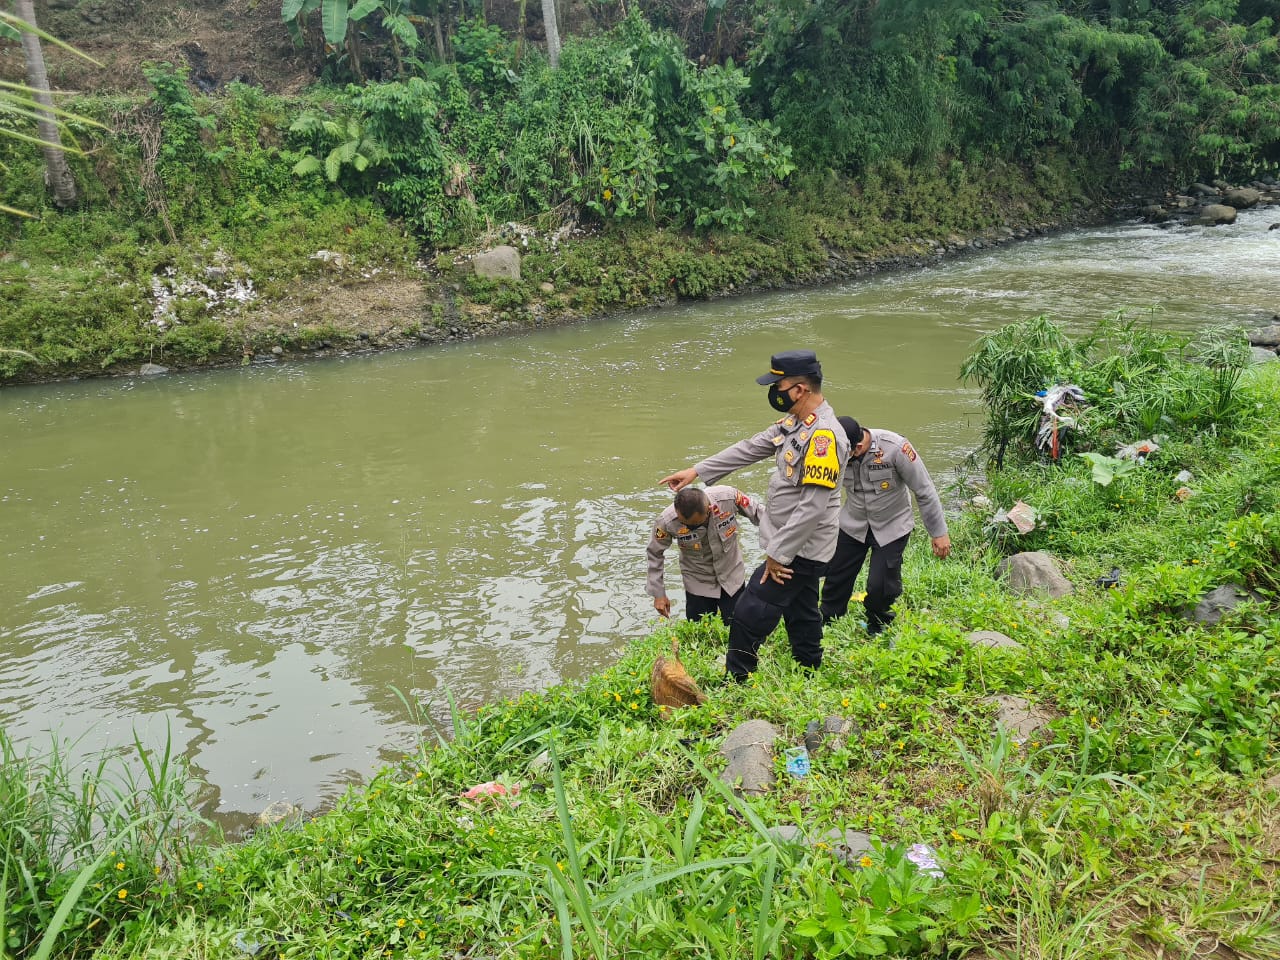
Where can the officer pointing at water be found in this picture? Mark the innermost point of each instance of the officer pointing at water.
(801, 514)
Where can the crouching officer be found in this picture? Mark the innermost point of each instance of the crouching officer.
(704, 524)
(800, 522)
(882, 473)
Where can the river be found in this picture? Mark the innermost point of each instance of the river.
(252, 562)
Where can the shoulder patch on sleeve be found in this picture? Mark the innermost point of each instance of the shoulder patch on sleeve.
(821, 461)
(909, 451)
(743, 500)
(660, 533)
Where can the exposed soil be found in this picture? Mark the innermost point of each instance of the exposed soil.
(220, 40)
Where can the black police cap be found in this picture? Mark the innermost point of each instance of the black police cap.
(853, 430)
(793, 363)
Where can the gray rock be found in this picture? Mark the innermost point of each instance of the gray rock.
(1059, 619)
(546, 287)
(848, 844)
(1022, 718)
(1154, 213)
(749, 752)
(993, 639)
(1263, 354)
(279, 812)
(1034, 572)
(1218, 601)
(1268, 336)
(277, 350)
(788, 833)
(500, 263)
(1242, 198)
(1216, 214)
(152, 370)
(1201, 189)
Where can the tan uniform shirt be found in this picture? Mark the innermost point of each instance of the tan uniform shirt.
(876, 491)
(801, 515)
(710, 556)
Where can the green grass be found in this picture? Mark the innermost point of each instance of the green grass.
(1143, 819)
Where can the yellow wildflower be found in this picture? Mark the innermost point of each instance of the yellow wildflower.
(122, 893)
(865, 861)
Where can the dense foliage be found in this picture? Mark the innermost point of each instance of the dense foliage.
(746, 140)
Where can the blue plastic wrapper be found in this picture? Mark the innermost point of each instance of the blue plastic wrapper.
(798, 762)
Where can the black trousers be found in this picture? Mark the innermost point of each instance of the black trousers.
(762, 605)
(884, 579)
(696, 607)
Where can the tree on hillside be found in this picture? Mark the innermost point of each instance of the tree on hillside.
(57, 171)
(553, 32)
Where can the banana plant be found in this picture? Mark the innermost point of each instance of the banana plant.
(335, 15)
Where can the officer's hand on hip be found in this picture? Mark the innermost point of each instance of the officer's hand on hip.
(942, 546)
(678, 481)
(662, 605)
(775, 571)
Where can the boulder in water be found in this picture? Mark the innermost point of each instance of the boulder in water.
(1242, 198)
(1216, 214)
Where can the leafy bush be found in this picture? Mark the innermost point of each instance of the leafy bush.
(1137, 380)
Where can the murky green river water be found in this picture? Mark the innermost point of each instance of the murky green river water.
(254, 560)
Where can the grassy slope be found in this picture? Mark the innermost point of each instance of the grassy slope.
(1144, 822)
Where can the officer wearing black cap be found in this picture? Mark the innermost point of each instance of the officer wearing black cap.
(883, 472)
(801, 514)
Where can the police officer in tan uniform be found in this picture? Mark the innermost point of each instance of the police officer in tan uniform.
(704, 525)
(882, 473)
(801, 514)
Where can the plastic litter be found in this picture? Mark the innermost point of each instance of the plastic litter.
(798, 761)
(491, 788)
(1053, 423)
(926, 859)
(1138, 451)
(1110, 580)
(1183, 476)
(1021, 515)
(246, 945)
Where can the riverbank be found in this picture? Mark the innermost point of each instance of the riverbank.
(374, 293)
(1131, 806)
(355, 284)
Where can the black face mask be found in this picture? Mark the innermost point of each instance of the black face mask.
(779, 399)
